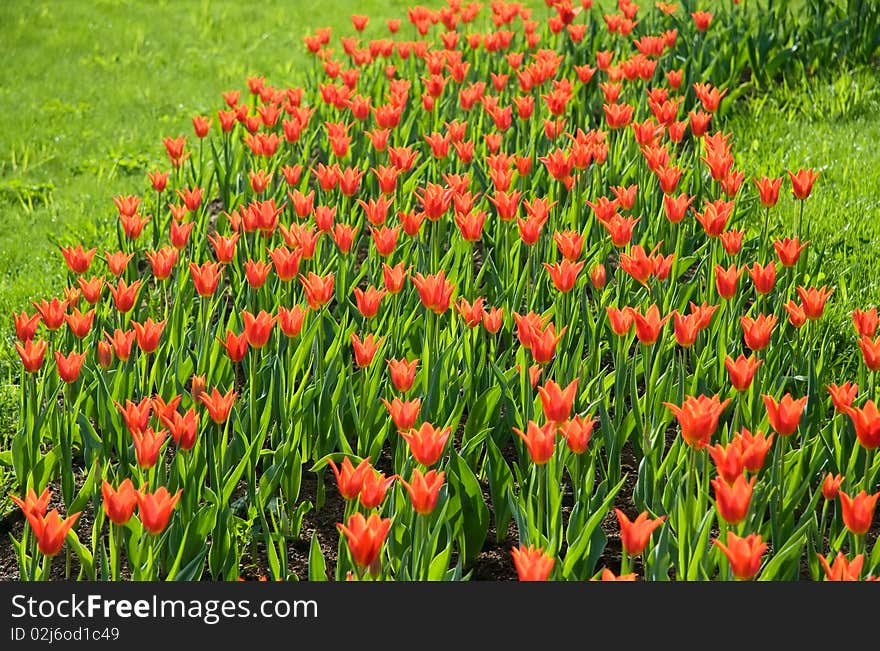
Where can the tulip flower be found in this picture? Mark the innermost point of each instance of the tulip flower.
(69, 366)
(698, 418)
(291, 320)
(621, 320)
(256, 272)
(124, 295)
(373, 489)
(842, 569)
(119, 503)
(78, 260)
(866, 421)
(648, 326)
(403, 413)
(32, 354)
(768, 192)
(814, 300)
(608, 575)
(365, 538)
(154, 509)
(365, 350)
(726, 280)
(318, 289)
(205, 277)
(394, 277)
(147, 445)
(789, 250)
(728, 460)
(368, 300)
(218, 405)
(350, 479)
(744, 554)
(577, 433)
(235, 345)
(831, 486)
(540, 441)
(866, 322)
(26, 326)
(635, 534)
(741, 371)
(148, 334)
(258, 328)
(424, 489)
(732, 500)
(754, 448)
(802, 182)
(564, 274)
(858, 511)
(870, 352)
(531, 563)
(50, 530)
(182, 427)
(757, 331)
(402, 372)
(426, 443)
(763, 277)
(33, 503)
(556, 401)
(434, 290)
(136, 414)
(785, 415)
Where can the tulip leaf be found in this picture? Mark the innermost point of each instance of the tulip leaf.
(317, 565)
(473, 511)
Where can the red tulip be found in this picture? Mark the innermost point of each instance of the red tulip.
(866, 421)
(785, 415)
(757, 331)
(577, 433)
(154, 509)
(802, 182)
(50, 530)
(858, 511)
(426, 443)
(634, 535)
(258, 328)
(831, 486)
(531, 563)
(119, 504)
(732, 500)
(842, 569)
(556, 401)
(148, 334)
(318, 289)
(365, 538)
(77, 259)
(742, 371)
(218, 405)
(698, 418)
(843, 396)
(540, 441)
(147, 445)
(754, 448)
(32, 354)
(69, 366)
(349, 479)
(424, 490)
(403, 413)
(744, 554)
(365, 350)
(205, 277)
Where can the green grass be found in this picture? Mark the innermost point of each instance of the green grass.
(832, 125)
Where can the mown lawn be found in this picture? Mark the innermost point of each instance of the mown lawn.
(90, 88)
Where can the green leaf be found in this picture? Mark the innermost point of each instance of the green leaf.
(317, 565)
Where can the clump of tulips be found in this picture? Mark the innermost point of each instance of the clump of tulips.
(483, 269)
